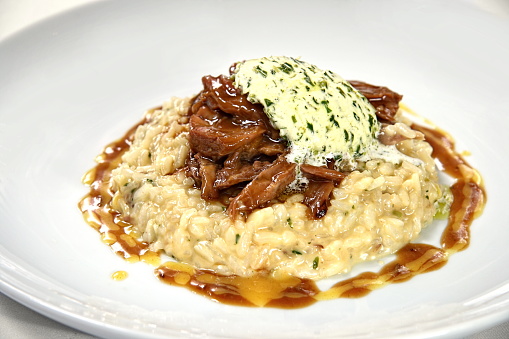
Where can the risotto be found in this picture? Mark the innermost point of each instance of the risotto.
(225, 184)
(374, 211)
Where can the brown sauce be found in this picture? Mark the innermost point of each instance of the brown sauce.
(289, 292)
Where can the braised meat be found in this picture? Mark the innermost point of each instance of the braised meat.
(238, 157)
(385, 101)
(234, 147)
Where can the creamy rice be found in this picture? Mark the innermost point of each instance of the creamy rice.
(374, 211)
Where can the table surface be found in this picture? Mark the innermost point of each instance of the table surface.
(18, 321)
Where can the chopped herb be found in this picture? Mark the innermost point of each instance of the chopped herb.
(310, 126)
(262, 72)
(286, 67)
(397, 213)
(333, 120)
(326, 104)
(323, 84)
(237, 238)
(296, 252)
(308, 79)
(268, 102)
(294, 119)
(358, 151)
(315, 263)
(289, 222)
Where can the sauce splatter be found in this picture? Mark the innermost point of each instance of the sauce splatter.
(119, 275)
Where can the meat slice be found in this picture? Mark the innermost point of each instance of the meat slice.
(216, 141)
(322, 173)
(385, 101)
(267, 185)
(321, 183)
(220, 94)
(242, 172)
(207, 171)
(316, 197)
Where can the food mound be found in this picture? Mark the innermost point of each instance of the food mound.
(280, 168)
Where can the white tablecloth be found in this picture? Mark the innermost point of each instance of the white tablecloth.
(18, 321)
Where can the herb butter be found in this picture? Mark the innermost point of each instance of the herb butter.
(320, 114)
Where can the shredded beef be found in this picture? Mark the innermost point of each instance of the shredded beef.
(234, 148)
(322, 173)
(238, 157)
(221, 138)
(317, 196)
(266, 186)
(385, 101)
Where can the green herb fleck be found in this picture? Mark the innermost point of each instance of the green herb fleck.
(308, 79)
(333, 120)
(262, 72)
(286, 67)
(315, 263)
(397, 214)
(358, 151)
(296, 252)
(268, 103)
(326, 104)
(237, 238)
(310, 126)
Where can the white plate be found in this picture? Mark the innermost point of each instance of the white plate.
(76, 82)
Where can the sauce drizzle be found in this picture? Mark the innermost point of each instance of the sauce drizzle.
(288, 292)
